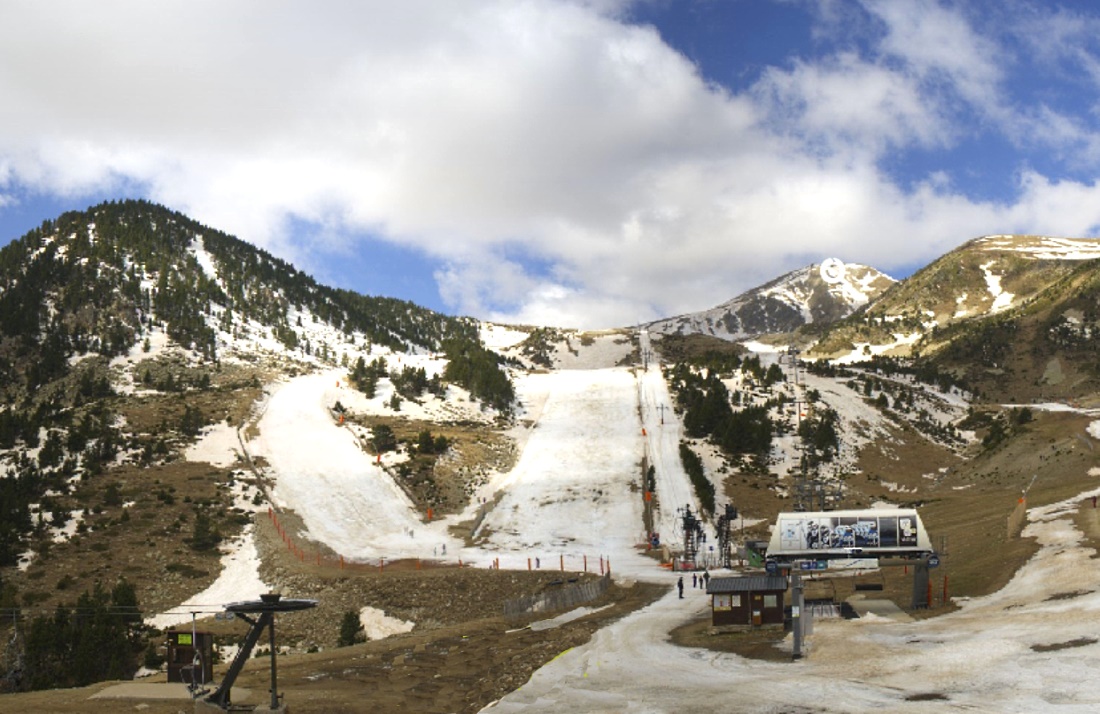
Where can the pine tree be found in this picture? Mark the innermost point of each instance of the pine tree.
(350, 627)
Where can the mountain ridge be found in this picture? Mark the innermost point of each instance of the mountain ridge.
(818, 293)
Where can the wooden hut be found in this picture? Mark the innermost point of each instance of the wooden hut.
(749, 601)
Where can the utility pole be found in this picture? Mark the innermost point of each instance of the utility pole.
(797, 604)
(792, 357)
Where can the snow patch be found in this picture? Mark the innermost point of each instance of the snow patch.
(378, 625)
(218, 446)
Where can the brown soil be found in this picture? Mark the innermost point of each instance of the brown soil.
(459, 667)
(756, 644)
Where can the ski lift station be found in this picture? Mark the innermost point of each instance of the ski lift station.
(825, 535)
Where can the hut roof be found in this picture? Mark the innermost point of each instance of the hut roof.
(750, 583)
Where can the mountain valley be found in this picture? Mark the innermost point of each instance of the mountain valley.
(186, 417)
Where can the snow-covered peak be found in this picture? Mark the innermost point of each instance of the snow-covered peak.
(823, 292)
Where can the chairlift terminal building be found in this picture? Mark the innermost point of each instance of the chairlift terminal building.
(875, 533)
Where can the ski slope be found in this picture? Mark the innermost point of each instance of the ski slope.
(346, 501)
(575, 492)
(576, 488)
(663, 435)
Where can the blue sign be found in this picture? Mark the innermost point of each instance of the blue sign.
(771, 567)
(933, 560)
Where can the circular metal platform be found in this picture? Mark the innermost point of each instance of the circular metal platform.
(271, 602)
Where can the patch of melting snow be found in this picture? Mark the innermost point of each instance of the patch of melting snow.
(378, 625)
(218, 446)
(1001, 300)
(565, 617)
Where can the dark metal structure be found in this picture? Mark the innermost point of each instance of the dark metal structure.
(265, 607)
(190, 657)
(693, 528)
(724, 528)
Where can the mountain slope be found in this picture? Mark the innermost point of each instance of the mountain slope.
(100, 280)
(126, 328)
(811, 295)
(1011, 316)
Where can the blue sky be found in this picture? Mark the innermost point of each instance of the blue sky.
(577, 163)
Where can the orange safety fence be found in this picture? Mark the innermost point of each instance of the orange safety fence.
(316, 557)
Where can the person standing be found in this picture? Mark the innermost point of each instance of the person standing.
(680, 585)
(706, 578)
(694, 581)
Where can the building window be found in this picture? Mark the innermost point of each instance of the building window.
(770, 601)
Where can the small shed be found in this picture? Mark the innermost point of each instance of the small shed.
(749, 601)
(190, 657)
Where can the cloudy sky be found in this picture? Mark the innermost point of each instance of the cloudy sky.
(585, 164)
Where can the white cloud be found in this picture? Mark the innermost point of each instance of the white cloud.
(849, 104)
(938, 44)
(565, 167)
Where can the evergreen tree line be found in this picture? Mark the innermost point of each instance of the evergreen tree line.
(693, 466)
(479, 370)
(97, 639)
(704, 402)
(364, 376)
(89, 442)
(820, 436)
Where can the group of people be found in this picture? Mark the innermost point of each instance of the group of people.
(697, 581)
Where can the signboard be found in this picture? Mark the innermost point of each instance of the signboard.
(865, 533)
(813, 564)
(933, 561)
(184, 639)
(830, 532)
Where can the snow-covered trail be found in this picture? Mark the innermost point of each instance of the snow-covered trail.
(575, 489)
(345, 500)
(663, 435)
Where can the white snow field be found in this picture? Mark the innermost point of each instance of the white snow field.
(575, 492)
(345, 499)
(570, 493)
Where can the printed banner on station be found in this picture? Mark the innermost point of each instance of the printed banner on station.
(824, 532)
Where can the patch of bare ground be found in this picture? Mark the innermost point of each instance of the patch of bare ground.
(136, 524)
(761, 643)
(134, 520)
(460, 665)
(1079, 642)
(445, 482)
(681, 348)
